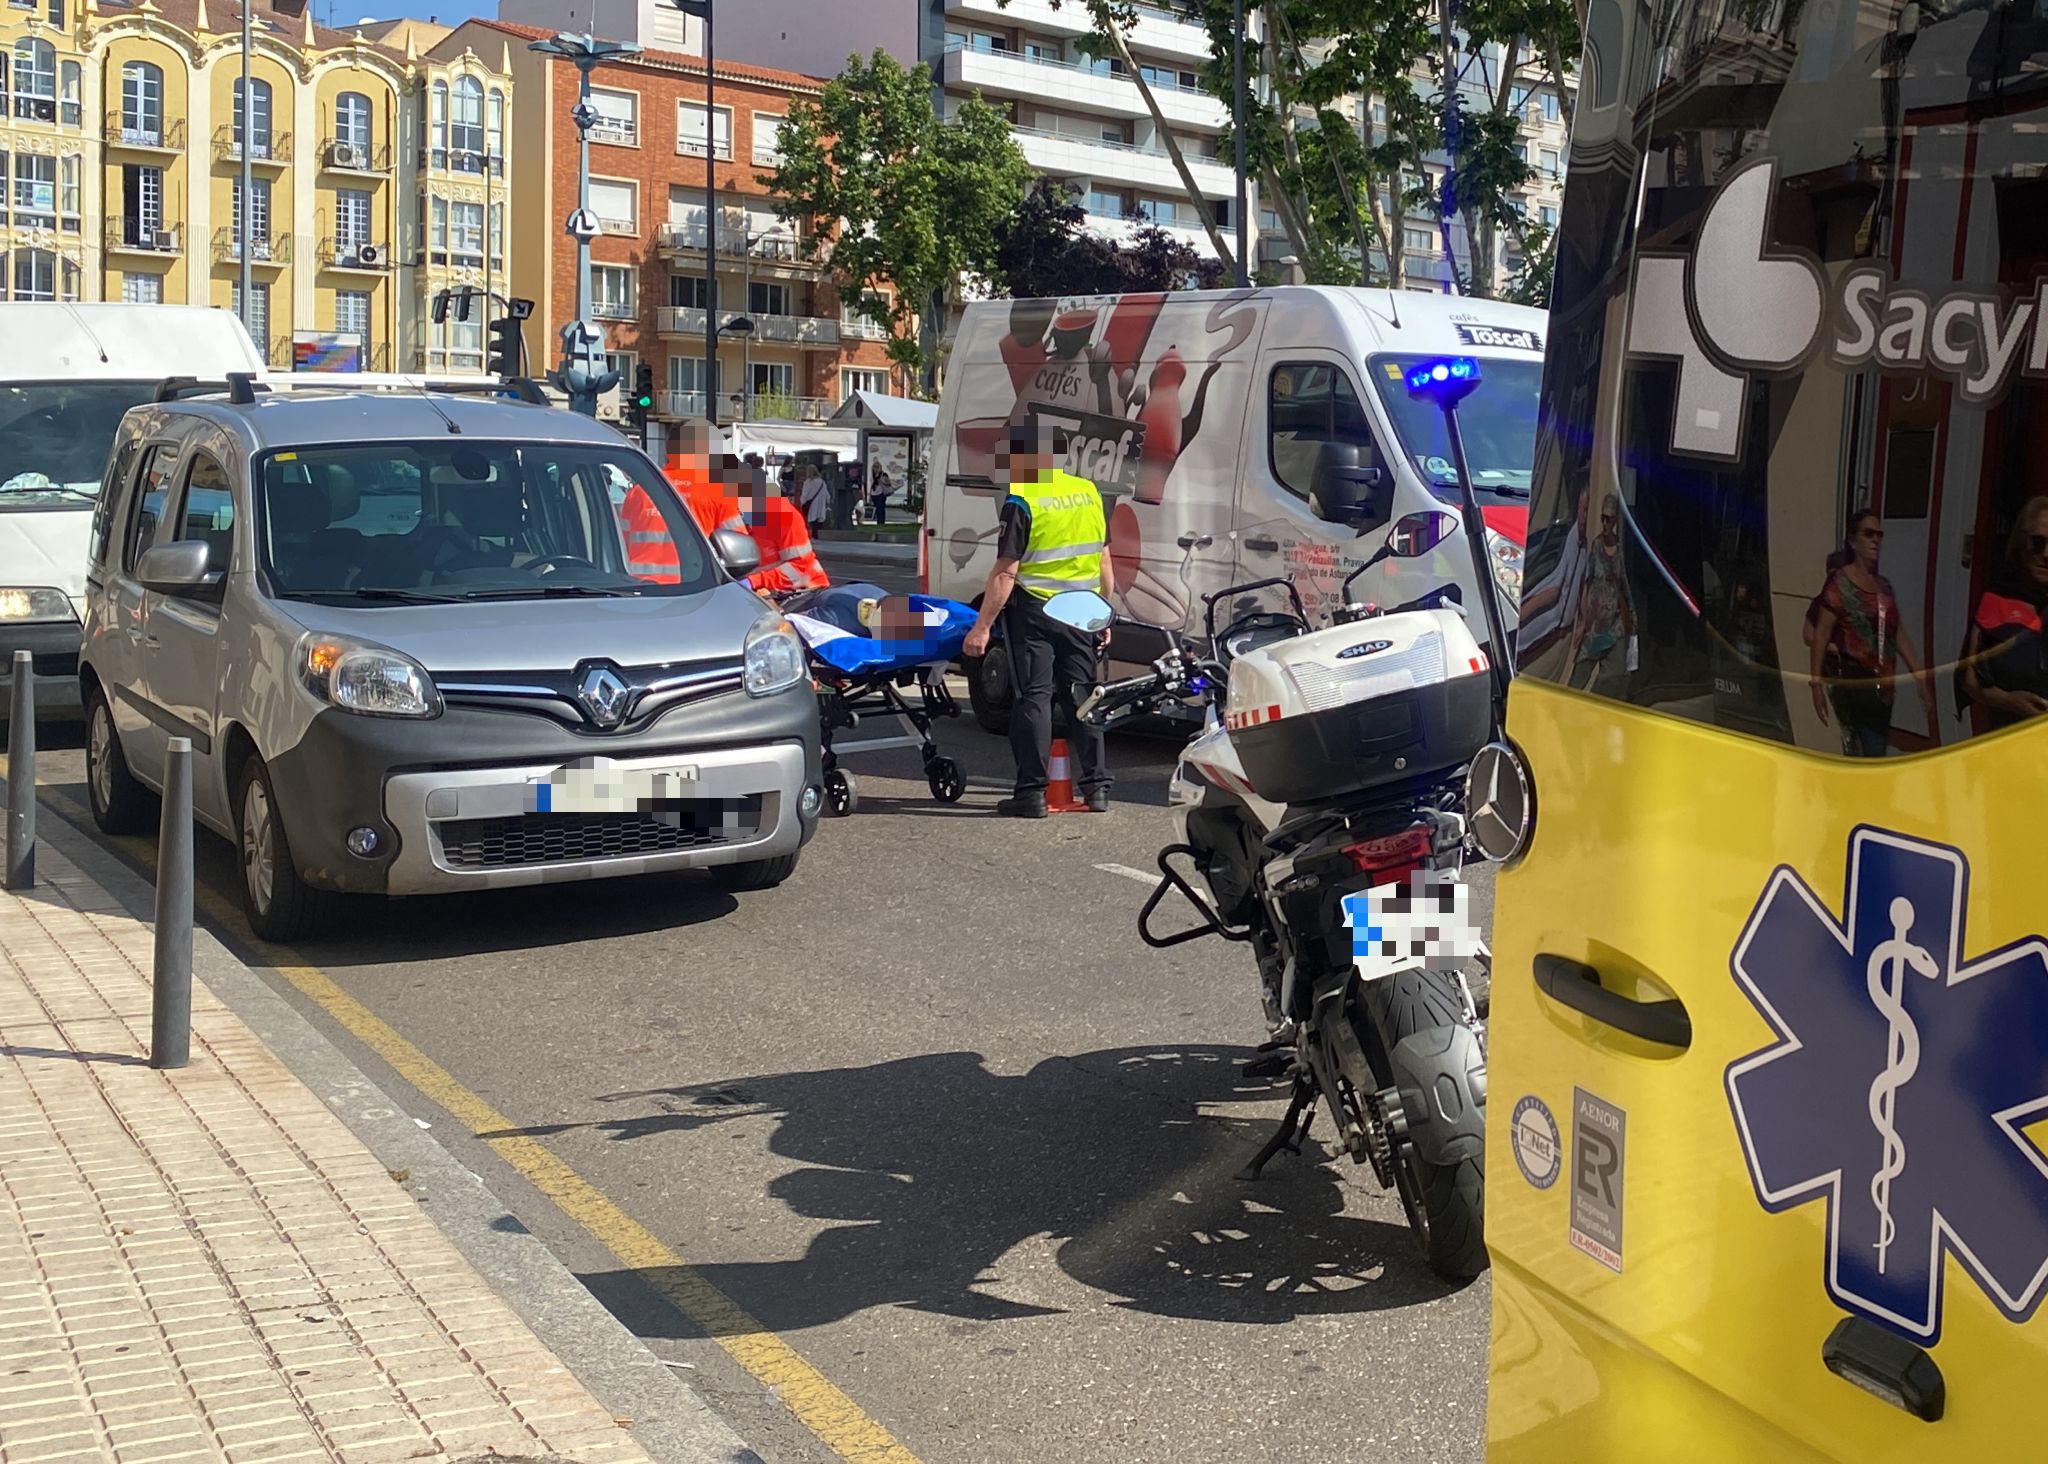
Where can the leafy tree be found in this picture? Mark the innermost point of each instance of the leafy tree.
(900, 202)
(1045, 249)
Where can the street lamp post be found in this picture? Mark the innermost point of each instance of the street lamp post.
(701, 9)
(583, 375)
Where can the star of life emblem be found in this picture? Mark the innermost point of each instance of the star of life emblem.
(1898, 1084)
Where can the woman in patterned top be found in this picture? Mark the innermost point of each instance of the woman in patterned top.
(1859, 624)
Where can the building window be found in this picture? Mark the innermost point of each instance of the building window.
(497, 239)
(772, 379)
(1547, 160)
(1043, 51)
(258, 122)
(352, 313)
(142, 289)
(611, 291)
(142, 104)
(494, 131)
(258, 317)
(351, 221)
(437, 237)
(616, 205)
(1107, 205)
(1553, 108)
(766, 297)
(687, 292)
(466, 232)
(860, 378)
(259, 217)
(618, 117)
(70, 107)
(457, 345)
(352, 123)
(466, 126)
(35, 191)
(768, 139)
(437, 122)
(690, 130)
(1547, 214)
(1420, 241)
(35, 80)
(686, 386)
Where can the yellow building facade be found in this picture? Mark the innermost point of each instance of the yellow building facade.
(122, 129)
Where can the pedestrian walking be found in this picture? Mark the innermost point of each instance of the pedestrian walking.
(814, 497)
(1052, 538)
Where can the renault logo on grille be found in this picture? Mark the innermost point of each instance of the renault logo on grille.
(606, 696)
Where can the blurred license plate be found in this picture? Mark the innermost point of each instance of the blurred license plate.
(610, 789)
(1424, 920)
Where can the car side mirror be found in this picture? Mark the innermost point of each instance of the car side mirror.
(183, 567)
(740, 555)
(1345, 486)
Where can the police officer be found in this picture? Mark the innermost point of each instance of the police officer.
(1052, 539)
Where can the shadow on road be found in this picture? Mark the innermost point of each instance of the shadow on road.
(928, 1170)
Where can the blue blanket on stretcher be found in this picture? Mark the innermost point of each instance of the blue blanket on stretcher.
(905, 630)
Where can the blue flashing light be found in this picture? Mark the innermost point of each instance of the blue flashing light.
(1443, 382)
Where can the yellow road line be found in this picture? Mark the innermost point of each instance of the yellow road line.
(815, 1400)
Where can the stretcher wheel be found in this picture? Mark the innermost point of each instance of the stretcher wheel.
(842, 793)
(946, 780)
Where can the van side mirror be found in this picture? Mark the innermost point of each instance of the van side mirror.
(740, 555)
(1346, 486)
(183, 567)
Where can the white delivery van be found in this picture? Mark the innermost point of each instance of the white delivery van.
(1236, 435)
(67, 375)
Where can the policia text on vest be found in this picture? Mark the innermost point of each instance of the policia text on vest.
(1053, 539)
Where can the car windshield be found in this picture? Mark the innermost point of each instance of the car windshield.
(1498, 423)
(410, 522)
(55, 436)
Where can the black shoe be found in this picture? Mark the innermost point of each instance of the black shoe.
(1098, 800)
(1022, 805)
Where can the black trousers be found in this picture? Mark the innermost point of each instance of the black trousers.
(1049, 660)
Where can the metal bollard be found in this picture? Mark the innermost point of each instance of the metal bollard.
(170, 1016)
(21, 775)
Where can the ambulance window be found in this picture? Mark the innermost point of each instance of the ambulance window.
(1310, 403)
(1792, 466)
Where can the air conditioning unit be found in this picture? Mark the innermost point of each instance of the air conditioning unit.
(345, 155)
(369, 254)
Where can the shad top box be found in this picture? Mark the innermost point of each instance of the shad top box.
(1378, 703)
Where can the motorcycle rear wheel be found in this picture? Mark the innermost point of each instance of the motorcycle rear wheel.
(1445, 1203)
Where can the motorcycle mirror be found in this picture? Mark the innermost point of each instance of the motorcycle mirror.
(1415, 534)
(1080, 610)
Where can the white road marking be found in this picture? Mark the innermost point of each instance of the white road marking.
(1129, 873)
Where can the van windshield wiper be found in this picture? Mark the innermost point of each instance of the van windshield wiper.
(1504, 490)
(379, 592)
(548, 592)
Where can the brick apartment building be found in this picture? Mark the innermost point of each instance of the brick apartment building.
(647, 161)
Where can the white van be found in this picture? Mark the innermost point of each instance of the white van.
(66, 376)
(1236, 435)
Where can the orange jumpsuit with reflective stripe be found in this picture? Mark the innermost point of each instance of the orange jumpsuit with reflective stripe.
(788, 561)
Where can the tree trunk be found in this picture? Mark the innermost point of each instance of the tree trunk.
(1106, 23)
(1273, 14)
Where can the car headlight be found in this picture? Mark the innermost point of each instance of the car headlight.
(1506, 557)
(38, 603)
(774, 658)
(368, 679)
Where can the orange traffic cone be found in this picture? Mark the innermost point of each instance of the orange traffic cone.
(1059, 794)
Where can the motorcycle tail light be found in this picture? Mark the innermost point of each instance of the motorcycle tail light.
(1392, 853)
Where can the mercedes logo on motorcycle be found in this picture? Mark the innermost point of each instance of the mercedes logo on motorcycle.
(606, 696)
(1501, 807)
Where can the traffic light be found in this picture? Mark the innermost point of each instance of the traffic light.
(642, 401)
(504, 347)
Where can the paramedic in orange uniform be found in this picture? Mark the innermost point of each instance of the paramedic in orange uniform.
(788, 562)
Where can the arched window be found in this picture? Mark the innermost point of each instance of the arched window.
(352, 122)
(142, 103)
(494, 130)
(41, 275)
(35, 80)
(71, 93)
(466, 125)
(258, 119)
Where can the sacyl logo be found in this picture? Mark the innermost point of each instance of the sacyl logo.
(1731, 308)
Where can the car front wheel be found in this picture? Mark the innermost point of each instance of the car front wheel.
(120, 804)
(279, 904)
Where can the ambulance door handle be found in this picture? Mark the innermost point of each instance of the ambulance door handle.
(1577, 986)
(1263, 546)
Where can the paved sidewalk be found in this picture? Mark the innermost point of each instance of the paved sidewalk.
(206, 1264)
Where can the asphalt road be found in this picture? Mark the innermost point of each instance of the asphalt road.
(933, 1113)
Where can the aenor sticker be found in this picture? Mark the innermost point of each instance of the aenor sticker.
(1532, 1133)
(1599, 1147)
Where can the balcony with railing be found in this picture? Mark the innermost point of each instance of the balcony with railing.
(860, 328)
(355, 254)
(143, 236)
(759, 406)
(687, 321)
(146, 134)
(1089, 86)
(265, 250)
(679, 404)
(614, 310)
(274, 151)
(772, 248)
(462, 160)
(622, 131)
(1077, 155)
(1161, 29)
(346, 155)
